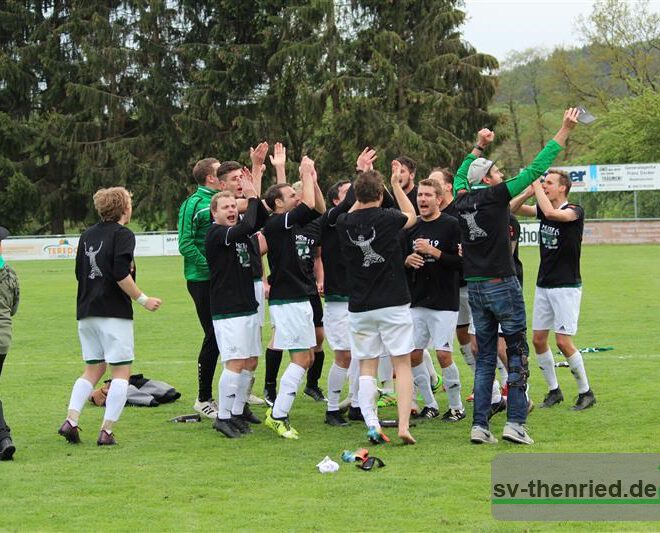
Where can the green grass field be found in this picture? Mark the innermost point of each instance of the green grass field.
(166, 476)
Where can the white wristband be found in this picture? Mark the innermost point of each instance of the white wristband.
(142, 299)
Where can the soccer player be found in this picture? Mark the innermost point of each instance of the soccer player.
(559, 283)
(379, 300)
(494, 291)
(433, 269)
(290, 286)
(9, 297)
(234, 306)
(407, 180)
(105, 271)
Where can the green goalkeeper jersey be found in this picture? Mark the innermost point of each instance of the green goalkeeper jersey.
(194, 224)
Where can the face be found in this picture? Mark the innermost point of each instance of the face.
(427, 201)
(129, 210)
(440, 177)
(232, 183)
(341, 193)
(405, 177)
(226, 212)
(288, 201)
(495, 177)
(552, 188)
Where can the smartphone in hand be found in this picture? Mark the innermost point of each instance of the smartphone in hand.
(584, 117)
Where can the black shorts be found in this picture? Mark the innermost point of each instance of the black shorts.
(317, 307)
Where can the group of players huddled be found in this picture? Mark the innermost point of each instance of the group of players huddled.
(401, 273)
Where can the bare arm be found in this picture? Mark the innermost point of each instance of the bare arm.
(278, 160)
(258, 156)
(404, 202)
(518, 206)
(131, 289)
(560, 215)
(568, 123)
(307, 176)
(319, 200)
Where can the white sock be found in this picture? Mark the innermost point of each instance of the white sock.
(114, 403)
(289, 384)
(336, 378)
(386, 373)
(504, 374)
(496, 394)
(579, 373)
(367, 397)
(547, 365)
(428, 362)
(242, 392)
(423, 383)
(354, 381)
(79, 394)
(452, 380)
(227, 389)
(468, 356)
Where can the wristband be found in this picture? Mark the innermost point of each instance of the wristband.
(142, 299)
(477, 147)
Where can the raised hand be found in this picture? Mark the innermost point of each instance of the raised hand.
(570, 118)
(396, 172)
(485, 137)
(365, 160)
(307, 167)
(278, 159)
(247, 184)
(258, 154)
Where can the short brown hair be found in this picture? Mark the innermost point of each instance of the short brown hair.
(217, 196)
(273, 193)
(407, 162)
(226, 167)
(111, 203)
(564, 178)
(433, 182)
(447, 175)
(369, 186)
(203, 168)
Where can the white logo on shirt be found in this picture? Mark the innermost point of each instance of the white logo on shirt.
(475, 230)
(243, 254)
(549, 237)
(95, 270)
(370, 256)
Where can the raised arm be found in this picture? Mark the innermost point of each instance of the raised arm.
(544, 204)
(518, 206)
(307, 176)
(278, 160)
(484, 138)
(404, 202)
(258, 156)
(319, 200)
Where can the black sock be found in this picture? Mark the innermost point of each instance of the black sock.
(314, 372)
(273, 362)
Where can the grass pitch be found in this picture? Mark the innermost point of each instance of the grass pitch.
(166, 476)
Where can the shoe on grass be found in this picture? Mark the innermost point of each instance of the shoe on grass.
(281, 426)
(516, 433)
(584, 401)
(249, 416)
(334, 418)
(225, 427)
(242, 425)
(376, 436)
(355, 413)
(207, 409)
(106, 439)
(428, 413)
(315, 393)
(70, 432)
(479, 435)
(7, 449)
(497, 407)
(253, 399)
(453, 415)
(552, 398)
(270, 395)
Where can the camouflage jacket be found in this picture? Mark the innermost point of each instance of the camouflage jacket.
(9, 296)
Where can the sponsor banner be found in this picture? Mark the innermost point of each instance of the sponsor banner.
(603, 232)
(608, 178)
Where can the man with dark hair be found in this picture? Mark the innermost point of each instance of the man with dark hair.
(494, 291)
(407, 180)
(559, 283)
(378, 305)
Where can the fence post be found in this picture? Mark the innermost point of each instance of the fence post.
(635, 204)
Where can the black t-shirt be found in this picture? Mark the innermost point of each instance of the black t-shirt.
(230, 264)
(560, 245)
(255, 257)
(514, 236)
(104, 257)
(334, 265)
(374, 262)
(484, 221)
(289, 279)
(436, 284)
(412, 196)
(308, 238)
(450, 209)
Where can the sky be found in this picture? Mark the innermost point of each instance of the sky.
(496, 27)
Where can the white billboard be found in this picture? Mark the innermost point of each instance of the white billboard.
(608, 178)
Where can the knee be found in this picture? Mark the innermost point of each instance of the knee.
(444, 358)
(516, 344)
(566, 346)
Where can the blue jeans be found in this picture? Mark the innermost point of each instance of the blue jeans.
(494, 302)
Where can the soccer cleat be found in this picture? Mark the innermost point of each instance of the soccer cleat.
(206, 409)
(345, 404)
(242, 425)
(253, 399)
(479, 435)
(386, 400)
(376, 436)
(214, 404)
(70, 432)
(315, 393)
(7, 449)
(270, 394)
(249, 416)
(552, 398)
(516, 433)
(428, 413)
(225, 427)
(334, 418)
(354, 413)
(497, 408)
(530, 405)
(453, 415)
(106, 439)
(436, 386)
(280, 426)
(584, 401)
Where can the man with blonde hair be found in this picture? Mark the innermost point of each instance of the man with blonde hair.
(105, 271)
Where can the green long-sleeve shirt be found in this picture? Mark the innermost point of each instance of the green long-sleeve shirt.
(194, 224)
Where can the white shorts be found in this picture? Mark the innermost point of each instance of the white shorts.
(106, 339)
(557, 309)
(336, 325)
(438, 327)
(259, 295)
(464, 312)
(293, 325)
(380, 331)
(238, 337)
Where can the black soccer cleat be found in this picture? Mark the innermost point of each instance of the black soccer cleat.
(270, 395)
(354, 413)
(334, 418)
(453, 415)
(226, 428)
(584, 401)
(242, 425)
(106, 439)
(69, 432)
(249, 416)
(497, 408)
(428, 413)
(7, 449)
(315, 393)
(552, 398)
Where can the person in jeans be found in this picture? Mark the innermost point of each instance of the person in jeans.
(495, 295)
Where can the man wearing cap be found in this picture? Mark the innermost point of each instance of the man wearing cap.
(9, 295)
(495, 295)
